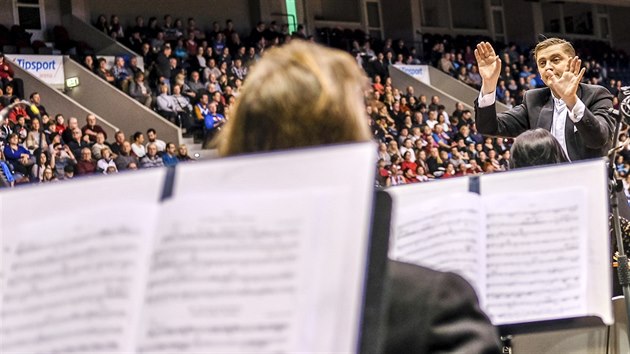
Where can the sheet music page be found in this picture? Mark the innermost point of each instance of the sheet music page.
(229, 274)
(444, 233)
(536, 255)
(77, 287)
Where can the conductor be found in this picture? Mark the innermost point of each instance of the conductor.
(575, 114)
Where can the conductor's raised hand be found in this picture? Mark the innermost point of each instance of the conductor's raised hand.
(565, 87)
(489, 67)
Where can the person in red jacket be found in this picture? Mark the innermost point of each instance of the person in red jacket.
(17, 111)
(7, 77)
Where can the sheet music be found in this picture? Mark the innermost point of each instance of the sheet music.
(536, 255)
(444, 233)
(77, 287)
(227, 274)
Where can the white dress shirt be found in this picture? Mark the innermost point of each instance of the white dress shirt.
(559, 113)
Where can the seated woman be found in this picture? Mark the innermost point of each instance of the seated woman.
(536, 147)
(18, 157)
(303, 95)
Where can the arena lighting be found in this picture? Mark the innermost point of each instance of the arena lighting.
(72, 82)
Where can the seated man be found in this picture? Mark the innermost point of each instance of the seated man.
(140, 90)
(153, 139)
(151, 159)
(201, 110)
(212, 121)
(125, 157)
(86, 165)
(78, 142)
(62, 158)
(166, 105)
(91, 128)
(121, 73)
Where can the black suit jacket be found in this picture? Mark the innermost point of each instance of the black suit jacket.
(591, 137)
(434, 312)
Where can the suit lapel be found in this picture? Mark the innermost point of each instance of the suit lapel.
(545, 117)
(570, 135)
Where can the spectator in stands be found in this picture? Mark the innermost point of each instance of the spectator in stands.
(446, 65)
(86, 165)
(99, 145)
(121, 73)
(138, 145)
(88, 62)
(62, 158)
(119, 139)
(37, 172)
(91, 128)
(140, 90)
(213, 121)
(66, 134)
(115, 28)
(194, 84)
(104, 73)
(379, 67)
(182, 153)
(21, 129)
(36, 102)
(170, 155)
(101, 24)
(163, 65)
(166, 104)
(5, 130)
(153, 139)
(17, 111)
(238, 70)
(78, 142)
(106, 163)
(36, 137)
(49, 175)
(68, 172)
(151, 159)
(133, 69)
(18, 157)
(125, 157)
(182, 103)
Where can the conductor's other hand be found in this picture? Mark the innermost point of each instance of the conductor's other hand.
(489, 67)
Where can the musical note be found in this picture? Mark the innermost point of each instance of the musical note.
(75, 287)
(536, 255)
(444, 233)
(228, 278)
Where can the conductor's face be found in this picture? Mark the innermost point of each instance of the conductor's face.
(553, 60)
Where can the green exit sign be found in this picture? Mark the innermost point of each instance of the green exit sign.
(72, 82)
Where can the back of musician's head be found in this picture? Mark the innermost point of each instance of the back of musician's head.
(536, 147)
(297, 95)
(548, 42)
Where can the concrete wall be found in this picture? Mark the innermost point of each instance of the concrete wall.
(115, 106)
(6, 15)
(56, 101)
(620, 27)
(397, 21)
(519, 21)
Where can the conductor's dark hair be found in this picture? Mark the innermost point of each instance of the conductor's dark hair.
(535, 148)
